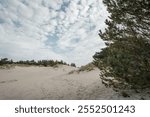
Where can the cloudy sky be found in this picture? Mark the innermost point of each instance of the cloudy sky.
(51, 29)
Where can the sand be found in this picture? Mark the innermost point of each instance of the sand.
(42, 83)
(61, 83)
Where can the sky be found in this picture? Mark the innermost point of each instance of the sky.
(51, 29)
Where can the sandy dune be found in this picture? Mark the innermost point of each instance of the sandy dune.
(51, 83)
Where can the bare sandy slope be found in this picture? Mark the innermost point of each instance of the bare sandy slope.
(51, 83)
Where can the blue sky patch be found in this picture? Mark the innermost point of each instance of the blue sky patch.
(17, 24)
(64, 6)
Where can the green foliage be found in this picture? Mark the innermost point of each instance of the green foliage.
(127, 55)
(5, 61)
(73, 64)
(45, 63)
(88, 67)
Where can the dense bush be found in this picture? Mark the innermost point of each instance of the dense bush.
(126, 59)
(73, 64)
(5, 61)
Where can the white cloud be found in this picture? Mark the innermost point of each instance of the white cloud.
(54, 4)
(26, 26)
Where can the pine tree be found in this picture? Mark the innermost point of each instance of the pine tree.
(127, 55)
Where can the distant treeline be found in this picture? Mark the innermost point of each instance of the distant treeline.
(4, 61)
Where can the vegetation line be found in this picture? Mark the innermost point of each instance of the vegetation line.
(5, 61)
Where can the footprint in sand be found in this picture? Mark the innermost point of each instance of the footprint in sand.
(8, 81)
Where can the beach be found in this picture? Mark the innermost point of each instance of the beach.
(62, 82)
(44, 83)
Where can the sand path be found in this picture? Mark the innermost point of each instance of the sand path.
(51, 83)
